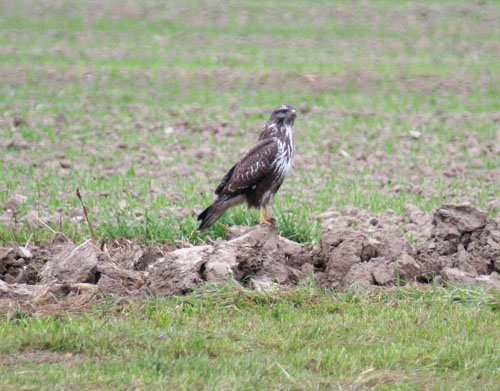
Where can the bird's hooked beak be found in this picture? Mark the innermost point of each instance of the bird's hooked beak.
(290, 118)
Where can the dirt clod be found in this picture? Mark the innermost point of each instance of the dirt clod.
(352, 256)
(258, 254)
(18, 121)
(463, 246)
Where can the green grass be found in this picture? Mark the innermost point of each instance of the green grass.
(305, 339)
(158, 79)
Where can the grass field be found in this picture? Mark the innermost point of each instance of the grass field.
(221, 339)
(144, 104)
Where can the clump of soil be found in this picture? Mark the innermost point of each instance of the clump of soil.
(460, 244)
(254, 256)
(464, 247)
(257, 258)
(351, 256)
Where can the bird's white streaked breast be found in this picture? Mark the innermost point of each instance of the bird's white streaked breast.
(285, 152)
(289, 135)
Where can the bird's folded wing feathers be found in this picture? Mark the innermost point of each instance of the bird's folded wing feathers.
(250, 169)
(225, 180)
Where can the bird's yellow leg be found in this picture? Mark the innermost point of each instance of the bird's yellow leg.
(262, 219)
(265, 219)
(266, 215)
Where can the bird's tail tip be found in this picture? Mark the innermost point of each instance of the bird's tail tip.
(203, 225)
(207, 218)
(203, 215)
(213, 212)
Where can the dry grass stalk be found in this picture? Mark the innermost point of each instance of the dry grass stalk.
(85, 212)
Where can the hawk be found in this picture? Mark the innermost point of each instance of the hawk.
(256, 178)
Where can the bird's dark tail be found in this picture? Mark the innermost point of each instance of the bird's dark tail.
(216, 210)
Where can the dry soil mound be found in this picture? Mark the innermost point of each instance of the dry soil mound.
(459, 243)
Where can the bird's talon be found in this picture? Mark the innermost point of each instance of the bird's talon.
(271, 222)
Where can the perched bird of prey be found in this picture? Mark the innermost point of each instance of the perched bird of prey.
(256, 178)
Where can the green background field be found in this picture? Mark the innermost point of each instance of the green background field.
(145, 104)
(148, 103)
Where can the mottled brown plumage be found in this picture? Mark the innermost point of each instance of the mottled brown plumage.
(256, 178)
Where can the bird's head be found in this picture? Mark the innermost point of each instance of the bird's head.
(284, 114)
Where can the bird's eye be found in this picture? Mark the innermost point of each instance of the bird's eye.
(283, 111)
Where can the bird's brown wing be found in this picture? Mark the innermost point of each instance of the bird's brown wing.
(250, 169)
(225, 180)
(267, 131)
